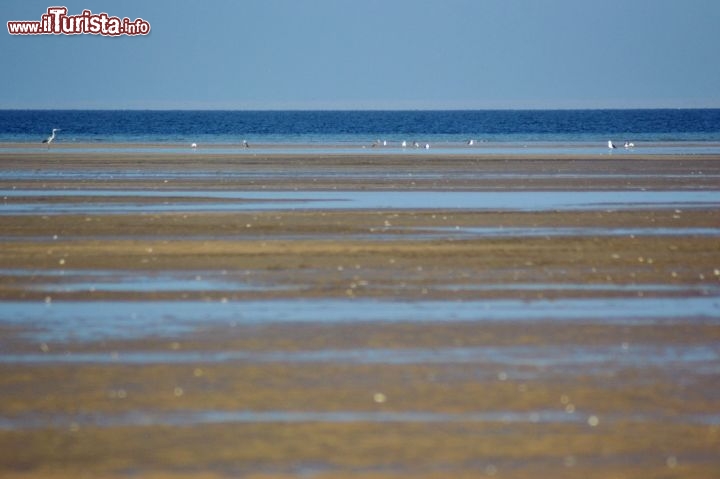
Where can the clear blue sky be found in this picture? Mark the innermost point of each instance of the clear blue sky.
(371, 54)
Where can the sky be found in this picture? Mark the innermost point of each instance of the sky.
(370, 54)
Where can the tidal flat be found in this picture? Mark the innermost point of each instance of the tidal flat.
(208, 315)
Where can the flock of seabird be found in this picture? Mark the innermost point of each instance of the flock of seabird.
(628, 144)
(404, 144)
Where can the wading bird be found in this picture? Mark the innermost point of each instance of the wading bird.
(50, 138)
(611, 145)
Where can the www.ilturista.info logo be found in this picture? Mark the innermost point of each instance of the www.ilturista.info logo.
(57, 22)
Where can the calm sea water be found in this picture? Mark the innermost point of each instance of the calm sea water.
(345, 127)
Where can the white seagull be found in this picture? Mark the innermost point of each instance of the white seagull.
(193, 146)
(611, 145)
(471, 142)
(50, 138)
(404, 144)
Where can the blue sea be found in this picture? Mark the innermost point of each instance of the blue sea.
(671, 128)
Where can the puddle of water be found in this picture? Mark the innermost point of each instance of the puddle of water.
(382, 234)
(334, 200)
(501, 232)
(71, 280)
(704, 289)
(557, 358)
(153, 283)
(190, 418)
(124, 281)
(142, 285)
(86, 321)
(408, 234)
(327, 174)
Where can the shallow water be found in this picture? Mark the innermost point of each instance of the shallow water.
(530, 232)
(181, 200)
(704, 289)
(511, 148)
(187, 418)
(190, 418)
(79, 280)
(55, 281)
(378, 173)
(393, 233)
(86, 321)
(554, 359)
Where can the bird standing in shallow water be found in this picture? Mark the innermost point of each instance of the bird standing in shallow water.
(50, 138)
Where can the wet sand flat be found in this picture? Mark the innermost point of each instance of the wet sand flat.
(209, 315)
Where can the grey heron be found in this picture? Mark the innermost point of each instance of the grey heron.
(50, 138)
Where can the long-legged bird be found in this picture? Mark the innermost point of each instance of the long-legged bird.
(50, 138)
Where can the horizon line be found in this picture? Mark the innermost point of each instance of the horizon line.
(366, 109)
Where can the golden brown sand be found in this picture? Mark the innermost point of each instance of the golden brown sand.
(633, 422)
